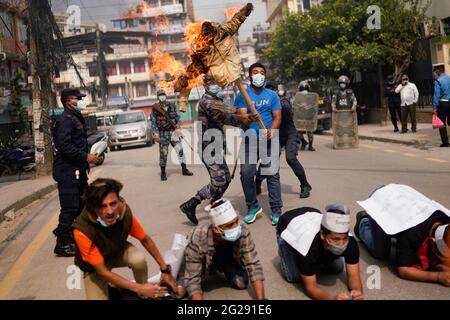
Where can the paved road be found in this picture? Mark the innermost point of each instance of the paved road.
(29, 270)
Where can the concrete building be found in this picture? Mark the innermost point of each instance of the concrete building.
(278, 9)
(440, 44)
(247, 52)
(68, 30)
(13, 65)
(166, 21)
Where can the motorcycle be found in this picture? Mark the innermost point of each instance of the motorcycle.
(14, 160)
(98, 145)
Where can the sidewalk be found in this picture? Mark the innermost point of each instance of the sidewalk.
(425, 137)
(17, 195)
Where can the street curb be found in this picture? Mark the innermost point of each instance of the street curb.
(388, 140)
(22, 203)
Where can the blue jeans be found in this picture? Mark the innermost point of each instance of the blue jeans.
(289, 267)
(269, 169)
(378, 243)
(288, 263)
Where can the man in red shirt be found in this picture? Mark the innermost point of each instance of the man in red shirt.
(101, 233)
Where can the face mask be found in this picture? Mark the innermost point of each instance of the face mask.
(221, 95)
(162, 98)
(337, 250)
(281, 93)
(214, 89)
(258, 80)
(104, 224)
(343, 85)
(232, 235)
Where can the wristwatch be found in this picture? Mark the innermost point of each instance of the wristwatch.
(168, 269)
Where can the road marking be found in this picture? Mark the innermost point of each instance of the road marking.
(411, 155)
(10, 279)
(389, 151)
(368, 146)
(436, 160)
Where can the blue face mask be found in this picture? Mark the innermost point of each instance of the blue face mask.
(258, 80)
(214, 89)
(343, 85)
(233, 234)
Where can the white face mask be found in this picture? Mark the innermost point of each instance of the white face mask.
(258, 80)
(335, 249)
(104, 224)
(162, 98)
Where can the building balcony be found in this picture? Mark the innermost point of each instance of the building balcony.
(172, 47)
(163, 11)
(134, 77)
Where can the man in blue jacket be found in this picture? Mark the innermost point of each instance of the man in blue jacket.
(441, 100)
(70, 167)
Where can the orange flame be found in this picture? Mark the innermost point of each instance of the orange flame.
(193, 38)
(230, 12)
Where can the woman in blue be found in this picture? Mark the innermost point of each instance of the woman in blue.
(268, 106)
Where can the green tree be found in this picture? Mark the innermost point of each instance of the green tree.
(334, 38)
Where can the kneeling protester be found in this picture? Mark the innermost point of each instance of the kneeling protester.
(420, 226)
(226, 246)
(101, 233)
(310, 242)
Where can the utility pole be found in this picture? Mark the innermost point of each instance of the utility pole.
(41, 91)
(101, 67)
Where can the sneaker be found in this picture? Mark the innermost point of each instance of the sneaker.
(252, 214)
(311, 148)
(359, 216)
(276, 214)
(445, 145)
(396, 130)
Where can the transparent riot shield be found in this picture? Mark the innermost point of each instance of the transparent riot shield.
(345, 129)
(305, 108)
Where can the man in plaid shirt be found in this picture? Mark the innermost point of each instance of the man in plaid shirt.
(226, 246)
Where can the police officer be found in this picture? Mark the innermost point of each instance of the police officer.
(70, 167)
(165, 121)
(288, 139)
(344, 98)
(214, 114)
(441, 100)
(394, 100)
(304, 87)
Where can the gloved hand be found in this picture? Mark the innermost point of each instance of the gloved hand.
(248, 9)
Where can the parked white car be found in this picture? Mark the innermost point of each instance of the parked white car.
(130, 128)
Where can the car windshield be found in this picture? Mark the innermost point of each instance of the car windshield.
(129, 118)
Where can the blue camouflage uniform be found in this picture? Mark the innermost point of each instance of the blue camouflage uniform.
(162, 127)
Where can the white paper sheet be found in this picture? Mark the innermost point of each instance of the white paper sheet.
(174, 256)
(398, 207)
(302, 230)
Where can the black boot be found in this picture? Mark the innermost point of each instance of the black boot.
(64, 244)
(188, 209)
(304, 144)
(163, 174)
(311, 148)
(186, 172)
(305, 191)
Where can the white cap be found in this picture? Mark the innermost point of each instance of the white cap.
(438, 65)
(440, 241)
(223, 213)
(336, 222)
